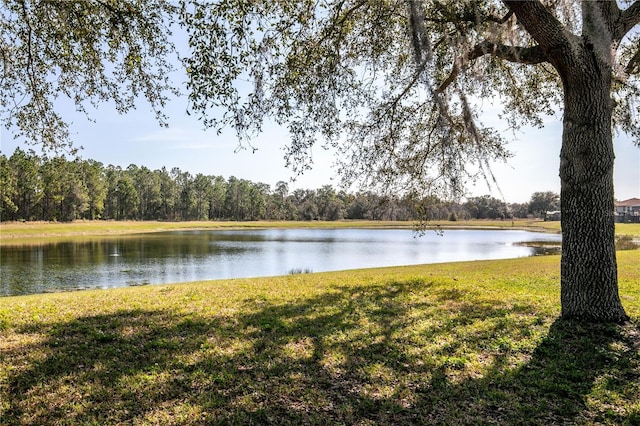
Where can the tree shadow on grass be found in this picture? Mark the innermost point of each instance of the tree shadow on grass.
(397, 353)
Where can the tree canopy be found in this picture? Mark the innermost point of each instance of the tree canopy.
(88, 52)
(395, 86)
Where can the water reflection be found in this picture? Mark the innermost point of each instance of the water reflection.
(197, 255)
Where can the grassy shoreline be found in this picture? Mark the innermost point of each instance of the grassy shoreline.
(458, 343)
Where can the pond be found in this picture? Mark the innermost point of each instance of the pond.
(170, 257)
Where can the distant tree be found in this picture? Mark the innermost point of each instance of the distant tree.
(52, 173)
(65, 195)
(486, 207)
(92, 174)
(112, 175)
(148, 187)
(126, 196)
(216, 202)
(76, 194)
(305, 202)
(8, 190)
(202, 193)
(185, 200)
(122, 200)
(168, 195)
(542, 202)
(258, 194)
(278, 202)
(237, 199)
(359, 206)
(29, 187)
(308, 210)
(432, 208)
(519, 210)
(329, 206)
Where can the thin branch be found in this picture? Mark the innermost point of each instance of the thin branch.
(394, 103)
(467, 16)
(505, 18)
(338, 22)
(633, 66)
(30, 66)
(523, 55)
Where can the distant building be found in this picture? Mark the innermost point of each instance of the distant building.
(628, 211)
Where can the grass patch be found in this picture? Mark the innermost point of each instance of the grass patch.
(460, 343)
(627, 242)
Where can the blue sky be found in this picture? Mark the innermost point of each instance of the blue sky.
(136, 138)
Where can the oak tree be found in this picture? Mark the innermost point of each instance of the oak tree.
(394, 86)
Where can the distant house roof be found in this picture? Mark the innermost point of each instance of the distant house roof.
(631, 202)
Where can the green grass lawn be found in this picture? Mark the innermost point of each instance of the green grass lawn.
(459, 343)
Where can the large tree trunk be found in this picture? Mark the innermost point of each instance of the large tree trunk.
(589, 281)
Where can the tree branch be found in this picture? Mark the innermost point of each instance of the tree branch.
(522, 55)
(539, 22)
(337, 21)
(418, 32)
(609, 14)
(466, 16)
(630, 17)
(633, 66)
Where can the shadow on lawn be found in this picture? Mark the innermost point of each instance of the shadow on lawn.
(374, 355)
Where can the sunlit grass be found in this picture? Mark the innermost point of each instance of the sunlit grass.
(458, 343)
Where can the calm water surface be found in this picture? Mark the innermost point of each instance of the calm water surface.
(170, 257)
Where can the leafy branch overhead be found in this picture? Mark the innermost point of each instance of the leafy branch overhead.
(86, 52)
(393, 85)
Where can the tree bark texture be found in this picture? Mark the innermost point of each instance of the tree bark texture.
(589, 275)
(589, 282)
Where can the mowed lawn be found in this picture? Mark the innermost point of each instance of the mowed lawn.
(459, 343)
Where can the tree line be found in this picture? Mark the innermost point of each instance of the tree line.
(34, 187)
